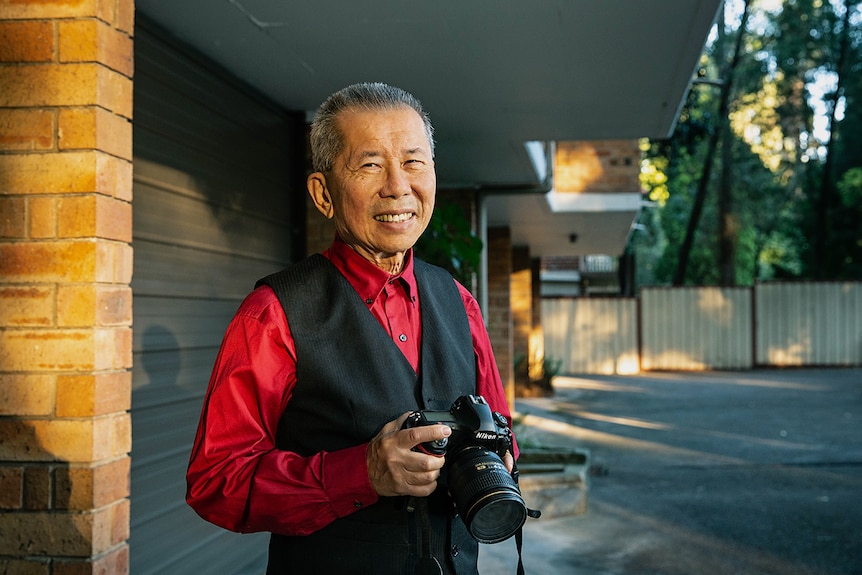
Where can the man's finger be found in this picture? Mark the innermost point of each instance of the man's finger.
(509, 461)
(424, 434)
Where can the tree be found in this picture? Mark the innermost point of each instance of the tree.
(763, 222)
(726, 84)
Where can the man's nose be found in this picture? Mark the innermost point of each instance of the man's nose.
(397, 183)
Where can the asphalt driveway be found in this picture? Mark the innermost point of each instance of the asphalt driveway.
(719, 473)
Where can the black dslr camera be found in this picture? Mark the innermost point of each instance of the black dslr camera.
(486, 495)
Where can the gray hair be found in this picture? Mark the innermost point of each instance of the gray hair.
(326, 139)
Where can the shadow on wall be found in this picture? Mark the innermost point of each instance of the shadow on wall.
(159, 357)
(172, 363)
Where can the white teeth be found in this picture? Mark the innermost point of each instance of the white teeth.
(393, 218)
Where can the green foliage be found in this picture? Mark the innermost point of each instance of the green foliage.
(847, 222)
(777, 159)
(850, 188)
(449, 242)
(653, 179)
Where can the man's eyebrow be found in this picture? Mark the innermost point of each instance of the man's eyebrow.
(372, 153)
(364, 155)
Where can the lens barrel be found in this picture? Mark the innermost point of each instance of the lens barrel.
(485, 494)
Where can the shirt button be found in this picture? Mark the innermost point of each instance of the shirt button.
(369, 301)
(455, 551)
(357, 504)
(402, 338)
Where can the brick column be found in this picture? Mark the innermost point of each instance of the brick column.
(499, 308)
(65, 295)
(521, 303)
(537, 334)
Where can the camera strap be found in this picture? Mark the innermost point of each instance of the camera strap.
(519, 534)
(427, 563)
(519, 541)
(519, 538)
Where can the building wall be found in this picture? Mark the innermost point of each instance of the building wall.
(218, 176)
(521, 305)
(597, 166)
(538, 367)
(65, 298)
(68, 357)
(66, 269)
(499, 312)
(521, 300)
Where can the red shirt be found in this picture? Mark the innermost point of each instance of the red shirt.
(237, 478)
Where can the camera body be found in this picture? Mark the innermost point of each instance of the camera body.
(485, 493)
(472, 423)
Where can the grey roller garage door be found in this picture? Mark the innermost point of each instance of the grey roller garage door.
(217, 178)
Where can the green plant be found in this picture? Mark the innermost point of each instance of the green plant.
(532, 385)
(449, 242)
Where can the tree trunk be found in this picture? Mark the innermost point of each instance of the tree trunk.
(824, 198)
(722, 119)
(726, 218)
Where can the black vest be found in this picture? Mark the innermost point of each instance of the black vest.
(351, 380)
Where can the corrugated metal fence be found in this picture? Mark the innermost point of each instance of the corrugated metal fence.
(591, 335)
(782, 324)
(809, 324)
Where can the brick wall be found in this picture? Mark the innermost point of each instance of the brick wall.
(65, 296)
(602, 166)
(527, 334)
(521, 298)
(499, 314)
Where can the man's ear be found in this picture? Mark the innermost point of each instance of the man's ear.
(319, 192)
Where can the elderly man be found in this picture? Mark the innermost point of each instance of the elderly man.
(301, 432)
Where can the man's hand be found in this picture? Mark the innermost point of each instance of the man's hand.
(395, 469)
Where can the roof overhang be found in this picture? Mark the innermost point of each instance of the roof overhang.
(493, 74)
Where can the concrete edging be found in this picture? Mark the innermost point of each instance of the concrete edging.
(555, 481)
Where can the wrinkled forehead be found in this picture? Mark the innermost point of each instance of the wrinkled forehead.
(396, 129)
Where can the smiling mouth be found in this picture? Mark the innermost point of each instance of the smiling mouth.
(394, 217)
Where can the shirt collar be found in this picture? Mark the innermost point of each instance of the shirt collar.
(366, 278)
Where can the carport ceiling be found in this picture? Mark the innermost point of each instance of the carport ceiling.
(492, 73)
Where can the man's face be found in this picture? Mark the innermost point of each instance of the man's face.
(381, 189)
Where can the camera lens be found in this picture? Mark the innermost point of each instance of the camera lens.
(486, 496)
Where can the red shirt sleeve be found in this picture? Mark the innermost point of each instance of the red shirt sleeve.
(488, 382)
(236, 478)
